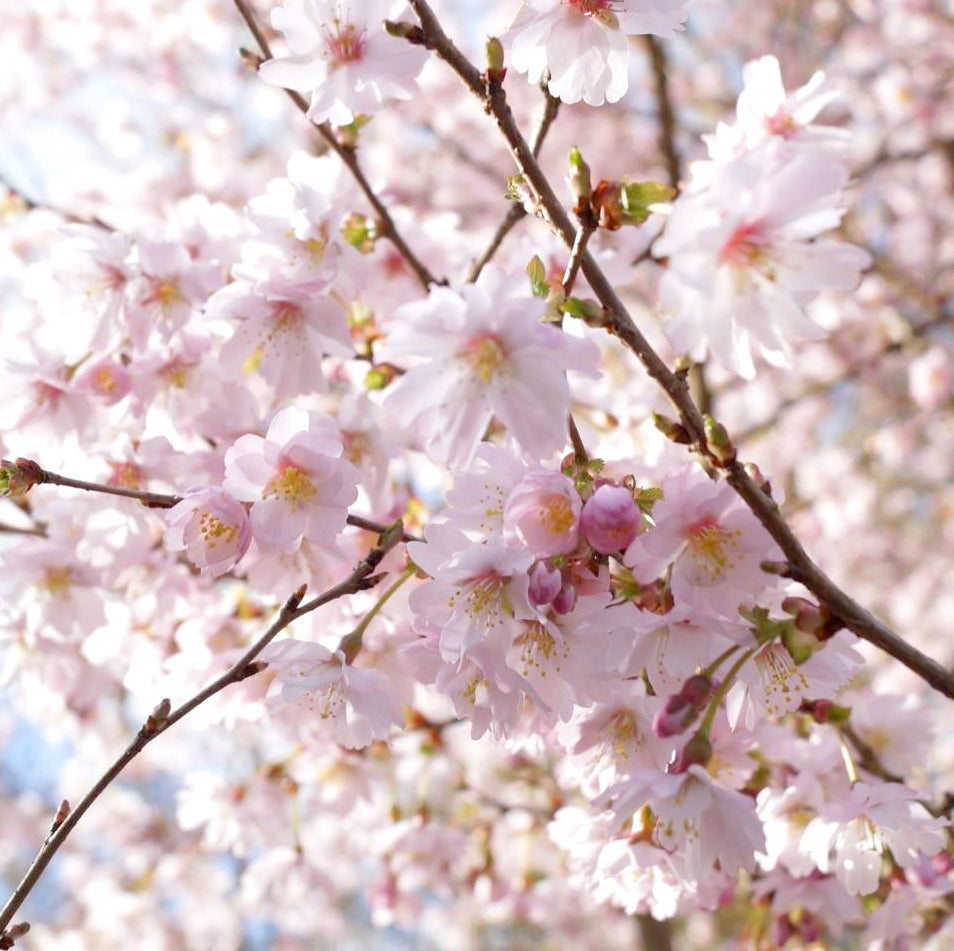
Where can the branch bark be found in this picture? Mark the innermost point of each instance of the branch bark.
(618, 321)
(362, 578)
(551, 106)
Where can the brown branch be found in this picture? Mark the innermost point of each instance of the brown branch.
(617, 320)
(160, 500)
(673, 161)
(654, 935)
(551, 106)
(667, 118)
(162, 718)
(385, 223)
(580, 241)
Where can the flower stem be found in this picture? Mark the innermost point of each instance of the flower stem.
(724, 687)
(351, 643)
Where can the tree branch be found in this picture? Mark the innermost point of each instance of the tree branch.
(156, 500)
(163, 718)
(618, 321)
(551, 106)
(386, 226)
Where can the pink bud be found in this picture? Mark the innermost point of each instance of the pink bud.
(610, 519)
(697, 689)
(674, 717)
(545, 583)
(565, 601)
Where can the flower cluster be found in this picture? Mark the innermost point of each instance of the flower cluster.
(482, 647)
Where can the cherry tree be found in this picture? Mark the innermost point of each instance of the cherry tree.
(515, 439)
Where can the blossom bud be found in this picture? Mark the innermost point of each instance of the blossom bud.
(718, 443)
(697, 689)
(675, 716)
(405, 31)
(610, 519)
(545, 583)
(810, 618)
(495, 61)
(565, 601)
(17, 478)
(9, 937)
(157, 719)
(671, 429)
(606, 199)
(60, 816)
(825, 711)
(579, 179)
(697, 752)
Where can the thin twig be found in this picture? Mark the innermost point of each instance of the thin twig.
(160, 500)
(551, 106)
(698, 386)
(360, 579)
(385, 223)
(618, 321)
(583, 233)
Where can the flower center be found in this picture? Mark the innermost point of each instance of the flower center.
(600, 9)
(58, 581)
(292, 486)
(744, 246)
(621, 735)
(485, 355)
(557, 515)
(711, 548)
(165, 293)
(105, 381)
(781, 124)
(214, 530)
(344, 43)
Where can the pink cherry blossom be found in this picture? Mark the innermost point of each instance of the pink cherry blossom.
(339, 52)
(482, 352)
(713, 542)
(850, 836)
(359, 705)
(582, 45)
(746, 254)
(543, 511)
(284, 331)
(211, 527)
(298, 486)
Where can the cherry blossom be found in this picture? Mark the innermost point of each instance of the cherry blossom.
(582, 44)
(741, 248)
(359, 705)
(339, 52)
(298, 486)
(482, 352)
(212, 527)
